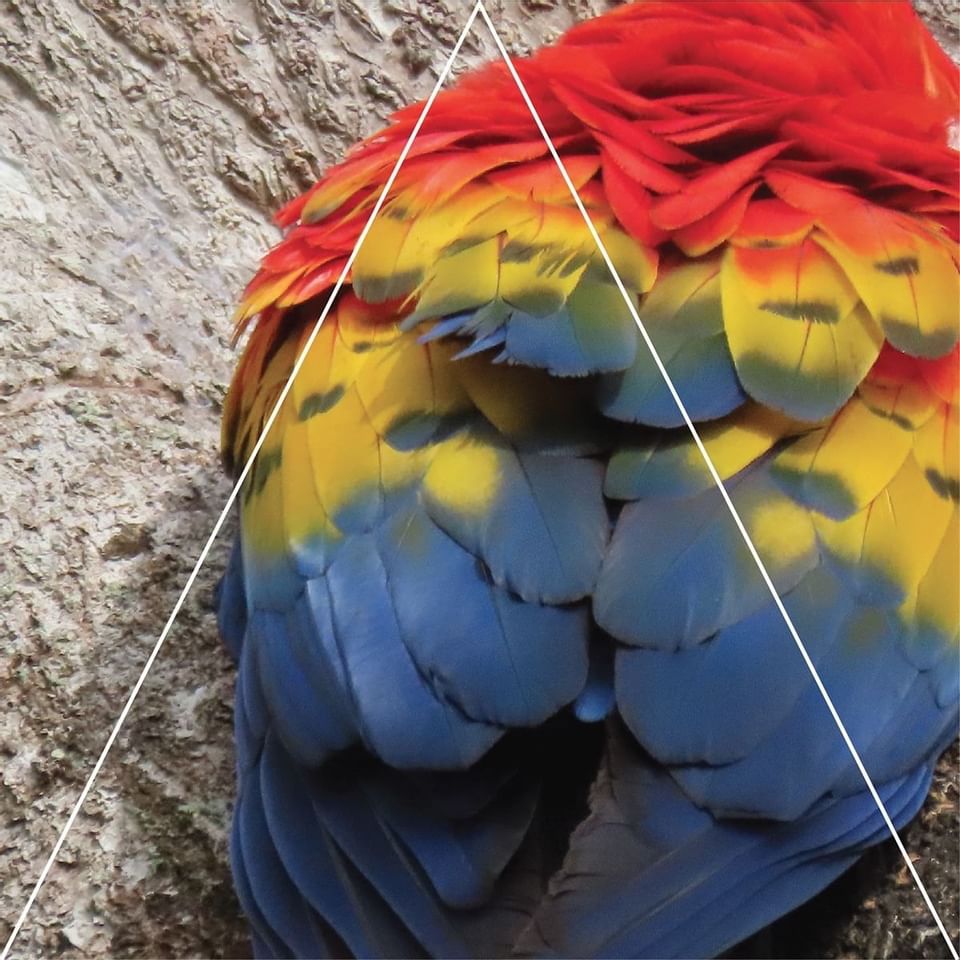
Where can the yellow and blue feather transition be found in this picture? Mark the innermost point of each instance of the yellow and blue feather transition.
(479, 527)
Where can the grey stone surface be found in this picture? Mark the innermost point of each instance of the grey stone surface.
(143, 148)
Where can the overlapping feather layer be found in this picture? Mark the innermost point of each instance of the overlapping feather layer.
(479, 509)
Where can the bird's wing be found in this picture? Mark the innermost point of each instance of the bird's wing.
(479, 505)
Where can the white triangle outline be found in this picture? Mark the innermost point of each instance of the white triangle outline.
(478, 10)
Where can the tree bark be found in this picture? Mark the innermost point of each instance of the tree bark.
(143, 149)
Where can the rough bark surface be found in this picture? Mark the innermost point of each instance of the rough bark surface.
(143, 148)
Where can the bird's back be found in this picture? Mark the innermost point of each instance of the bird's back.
(509, 677)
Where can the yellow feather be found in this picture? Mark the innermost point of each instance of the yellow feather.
(909, 286)
(561, 228)
(410, 378)
(345, 453)
(909, 403)
(780, 530)
(937, 449)
(262, 517)
(896, 535)
(686, 292)
(799, 338)
(938, 603)
(458, 281)
(465, 475)
(636, 264)
(535, 284)
(404, 242)
(304, 515)
(328, 370)
(859, 450)
(525, 403)
(740, 438)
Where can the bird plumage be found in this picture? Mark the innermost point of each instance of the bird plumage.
(509, 679)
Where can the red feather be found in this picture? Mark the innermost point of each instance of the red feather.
(710, 189)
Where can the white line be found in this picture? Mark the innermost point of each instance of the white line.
(720, 485)
(234, 492)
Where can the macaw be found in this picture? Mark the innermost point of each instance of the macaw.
(509, 680)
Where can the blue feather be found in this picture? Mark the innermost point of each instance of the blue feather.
(651, 874)
(303, 719)
(501, 661)
(324, 871)
(488, 342)
(287, 921)
(598, 698)
(545, 530)
(674, 575)
(463, 859)
(231, 602)
(702, 373)
(398, 712)
(716, 702)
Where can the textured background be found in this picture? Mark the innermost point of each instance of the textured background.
(142, 150)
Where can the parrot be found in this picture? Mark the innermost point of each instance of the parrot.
(510, 681)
